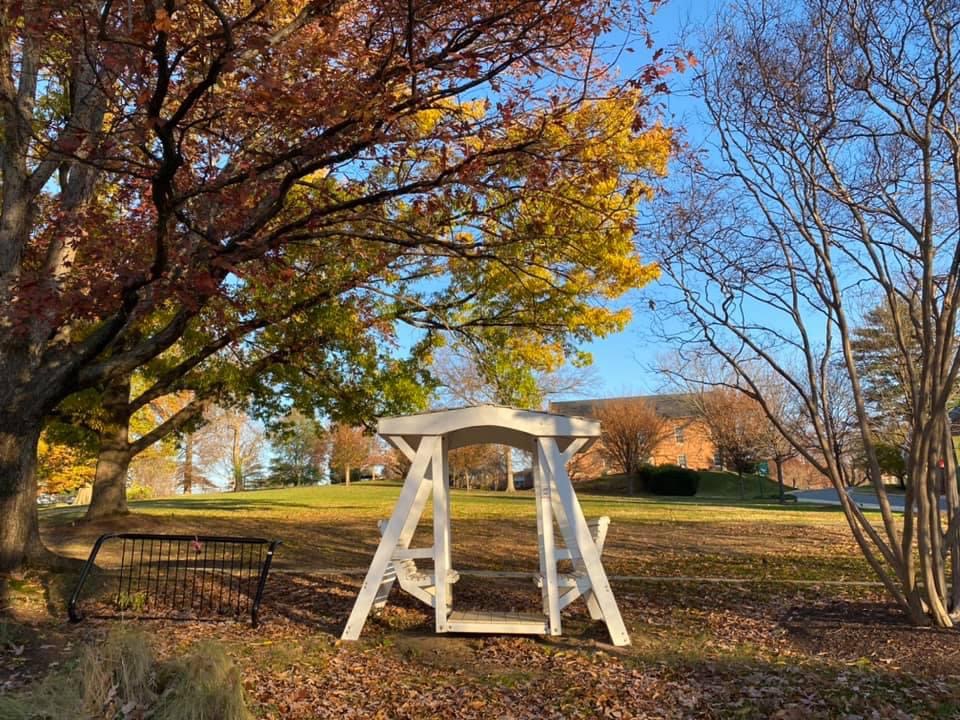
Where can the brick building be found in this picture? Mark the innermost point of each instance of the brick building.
(687, 444)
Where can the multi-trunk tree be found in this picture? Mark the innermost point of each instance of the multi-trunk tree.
(835, 187)
(155, 153)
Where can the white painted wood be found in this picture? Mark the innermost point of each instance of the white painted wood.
(426, 440)
(551, 456)
(441, 535)
(537, 480)
(529, 422)
(371, 587)
(577, 584)
(452, 576)
(403, 568)
(509, 623)
(543, 485)
(401, 444)
(403, 542)
(413, 554)
(575, 446)
(383, 590)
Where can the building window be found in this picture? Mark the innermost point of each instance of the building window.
(682, 460)
(678, 433)
(717, 461)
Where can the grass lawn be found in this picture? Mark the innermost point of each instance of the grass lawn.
(734, 611)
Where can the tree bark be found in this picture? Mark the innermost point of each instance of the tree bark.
(110, 480)
(346, 475)
(237, 461)
(781, 496)
(511, 487)
(188, 464)
(20, 527)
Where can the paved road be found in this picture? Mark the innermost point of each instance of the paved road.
(866, 499)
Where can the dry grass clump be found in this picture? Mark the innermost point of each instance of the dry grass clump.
(121, 678)
(203, 685)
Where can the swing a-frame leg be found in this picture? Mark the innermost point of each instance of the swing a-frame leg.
(396, 536)
(584, 551)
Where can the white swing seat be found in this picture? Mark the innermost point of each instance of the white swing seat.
(403, 567)
(598, 531)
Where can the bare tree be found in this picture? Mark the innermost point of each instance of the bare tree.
(739, 429)
(632, 429)
(231, 447)
(467, 376)
(835, 186)
(190, 473)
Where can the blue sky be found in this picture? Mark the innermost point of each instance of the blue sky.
(624, 363)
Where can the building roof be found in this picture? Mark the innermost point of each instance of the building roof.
(669, 405)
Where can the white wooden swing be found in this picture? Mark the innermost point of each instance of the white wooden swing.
(553, 439)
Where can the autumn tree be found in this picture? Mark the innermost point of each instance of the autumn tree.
(472, 465)
(631, 429)
(63, 465)
(348, 448)
(213, 137)
(836, 180)
(738, 429)
(326, 359)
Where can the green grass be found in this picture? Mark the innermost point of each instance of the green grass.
(334, 527)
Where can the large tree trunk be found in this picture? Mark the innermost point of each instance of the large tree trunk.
(346, 475)
(110, 481)
(511, 487)
(19, 523)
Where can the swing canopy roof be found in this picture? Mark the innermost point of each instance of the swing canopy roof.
(490, 424)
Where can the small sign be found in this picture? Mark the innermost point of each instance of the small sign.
(763, 468)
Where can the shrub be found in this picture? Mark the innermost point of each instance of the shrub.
(120, 667)
(139, 492)
(670, 480)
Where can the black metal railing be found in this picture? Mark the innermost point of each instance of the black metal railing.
(178, 576)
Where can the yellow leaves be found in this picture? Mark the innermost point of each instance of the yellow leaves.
(63, 468)
(426, 121)
(530, 349)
